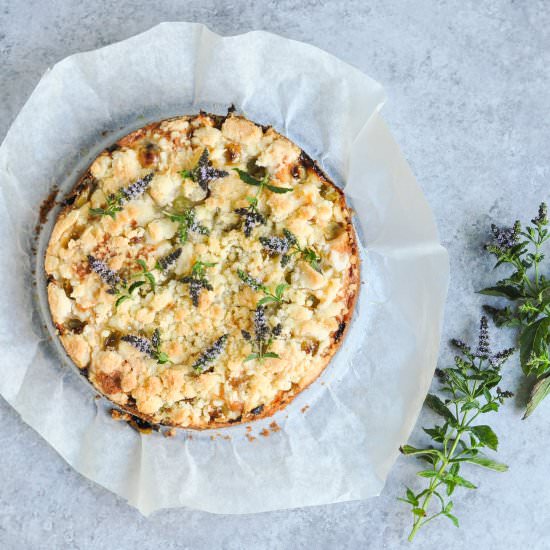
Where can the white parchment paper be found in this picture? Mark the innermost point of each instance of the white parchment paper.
(364, 405)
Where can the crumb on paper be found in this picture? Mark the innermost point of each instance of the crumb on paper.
(304, 409)
(249, 429)
(250, 437)
(172, 432)
(275, 427)
(265, 432)
(120, 415)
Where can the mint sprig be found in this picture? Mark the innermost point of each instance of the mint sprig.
(471, 389)
(527, 289)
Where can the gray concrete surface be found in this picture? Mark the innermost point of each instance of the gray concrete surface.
(468, 86)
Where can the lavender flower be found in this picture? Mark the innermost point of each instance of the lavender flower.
(275, 245)
(246, 335)
(542, 217)
(247, 279)
(497, 359)
(107, 275)
(155, 339)
(204, 172)
(483, 350)
(197, 281)
(169, 260)
(141, 344)
(136, 189)
(251, 219)
(506, 237)
(261, 328)
(210, 355)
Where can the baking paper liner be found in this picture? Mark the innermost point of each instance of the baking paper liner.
(339, 438)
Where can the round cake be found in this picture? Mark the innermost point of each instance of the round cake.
(203, 271)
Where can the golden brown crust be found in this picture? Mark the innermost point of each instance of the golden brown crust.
(287, 164)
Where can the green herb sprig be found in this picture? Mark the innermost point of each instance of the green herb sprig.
(148, 347)
(270, 297)
(528, 290)
(115, 201)
(125, 292)
(186, 223)
(287, 246)
(471, 389)
(112, 206)
(251, 215)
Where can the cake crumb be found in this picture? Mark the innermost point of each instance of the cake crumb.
(250, 437)
(275, 427)
(170, 433)
(119, 415)
(304, 409)
(265, 432)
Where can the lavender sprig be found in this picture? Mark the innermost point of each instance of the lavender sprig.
(148, 347)
(136, 189)
(255, 284)
(169, 260)
(287, 246)
(197, 280)
(106, 274)
(204, 172)
(251, 217)
(263, 337)
(205, 360)
(115, 201)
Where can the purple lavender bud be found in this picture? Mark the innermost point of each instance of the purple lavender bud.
(275, 245)
(136, 189)
(261, 328)
(106, 274)
(140, 343)
(542, 218)
(169, 260)
(210, 355)
(483, 342)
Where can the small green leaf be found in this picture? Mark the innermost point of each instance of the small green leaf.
(267, 300)
(280, 290)
(247, 178)
(251, 357)
(487, 462)
(271, 355)
(434, 403)
(427, 473)
(486, 436)
(504, 291)
(142, 264)
(121, 299)
(411, 497)
(454, 519)
(135, 286)
(448, 507)
(533, 340)
(419, 512)
(539, 391)
(279, 190)
(463, 482)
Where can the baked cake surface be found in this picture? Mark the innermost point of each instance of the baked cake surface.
(203, 271)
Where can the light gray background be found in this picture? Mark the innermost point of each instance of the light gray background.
(468, 99)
